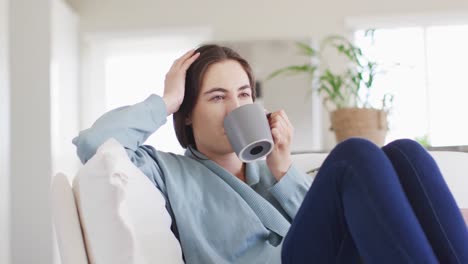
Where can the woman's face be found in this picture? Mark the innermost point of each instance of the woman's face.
(225, 87)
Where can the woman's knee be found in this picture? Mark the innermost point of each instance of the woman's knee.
(405, 146)
(357, 145)
(405, 142)
(363, 160)
(356, 151)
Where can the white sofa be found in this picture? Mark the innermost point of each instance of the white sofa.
(121, 225)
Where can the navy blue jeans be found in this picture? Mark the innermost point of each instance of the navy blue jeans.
(374, 205)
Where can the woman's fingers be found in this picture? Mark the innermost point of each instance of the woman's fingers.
(285, 117)
(174, 83)
(281, 115)
(281, 128)
(180, 61)
(186, 64)
(276, 135)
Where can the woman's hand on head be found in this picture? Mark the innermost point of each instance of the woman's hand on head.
(279, 160)
(174, 83)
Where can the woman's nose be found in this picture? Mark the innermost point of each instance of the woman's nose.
(235, 103)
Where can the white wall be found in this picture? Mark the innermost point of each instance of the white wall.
(31, 163)
(245, 19)
(4, 136)
(30, 49)
(43, 41)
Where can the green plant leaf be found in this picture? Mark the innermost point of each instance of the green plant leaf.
(340, 89)
(306, 49)
(330, 94)
(292, 70)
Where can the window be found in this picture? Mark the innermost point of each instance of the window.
(425, 70)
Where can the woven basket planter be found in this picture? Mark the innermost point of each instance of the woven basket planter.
(366, 123)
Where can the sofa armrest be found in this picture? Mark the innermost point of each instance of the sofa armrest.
(465, 214)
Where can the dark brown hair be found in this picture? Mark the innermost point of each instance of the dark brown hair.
(209, 54)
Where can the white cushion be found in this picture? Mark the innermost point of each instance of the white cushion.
(309, 161)
(454, 167)
(66, 220)
(123, 214)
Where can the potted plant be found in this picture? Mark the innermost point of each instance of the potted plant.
(345, 93)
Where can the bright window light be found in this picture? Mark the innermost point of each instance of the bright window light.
(447, 73)
(423, 69)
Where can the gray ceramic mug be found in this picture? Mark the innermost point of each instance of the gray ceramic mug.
(248, 132)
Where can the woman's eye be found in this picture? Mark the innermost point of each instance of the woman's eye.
(245, 95)
(217, 98)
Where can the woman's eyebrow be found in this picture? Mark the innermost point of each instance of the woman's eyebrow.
(218, 89)
(215, 90)
(244, 87)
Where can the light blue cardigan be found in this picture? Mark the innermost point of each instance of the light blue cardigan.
(219, 218)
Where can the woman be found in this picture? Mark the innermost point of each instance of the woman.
(388, 205)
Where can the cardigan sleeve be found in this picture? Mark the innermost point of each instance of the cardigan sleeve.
(291, 189)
